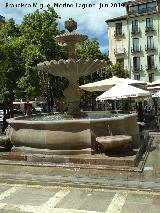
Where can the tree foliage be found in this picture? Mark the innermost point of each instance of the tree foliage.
(90, 49)
(12, 64)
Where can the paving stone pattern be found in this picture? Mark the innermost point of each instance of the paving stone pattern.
(50, 199)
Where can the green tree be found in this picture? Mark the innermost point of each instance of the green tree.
(9, 30)
(39, 29)
(90, 49)
(117, 70)
(12, 64)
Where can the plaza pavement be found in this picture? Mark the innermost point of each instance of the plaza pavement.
(51, 199)
(149, 179)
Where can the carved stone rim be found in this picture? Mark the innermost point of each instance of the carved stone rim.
(71, 36)
(68, 61)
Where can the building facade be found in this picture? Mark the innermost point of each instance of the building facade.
(142, 39)
(118, 41)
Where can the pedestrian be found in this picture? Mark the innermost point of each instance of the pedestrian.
(29, 110)
(140, 112)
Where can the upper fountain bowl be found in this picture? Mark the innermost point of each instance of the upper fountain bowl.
(71, 37)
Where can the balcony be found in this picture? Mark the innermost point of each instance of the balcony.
(151, 68)
(135, 50)
(149, 29)
(137, 69)
(119, 51)
(142, 11)
(135, 31)
(150, 48)
(118, 34)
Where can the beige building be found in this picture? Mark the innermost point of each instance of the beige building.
(134, 39)
(118, 41)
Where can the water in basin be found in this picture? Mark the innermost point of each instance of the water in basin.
(57, 116)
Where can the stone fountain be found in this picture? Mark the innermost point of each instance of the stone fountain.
(72, 69)
(58, 139)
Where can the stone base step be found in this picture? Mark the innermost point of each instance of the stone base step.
(25, 149)
(76, 166)
(97, 159)
(119, 161)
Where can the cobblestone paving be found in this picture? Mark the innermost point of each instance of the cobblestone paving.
(45, 199)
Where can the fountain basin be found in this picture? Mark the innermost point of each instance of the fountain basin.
(74, 134)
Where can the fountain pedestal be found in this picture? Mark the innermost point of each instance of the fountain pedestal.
(73, 94)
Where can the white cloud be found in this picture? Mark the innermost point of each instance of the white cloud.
(91, 20)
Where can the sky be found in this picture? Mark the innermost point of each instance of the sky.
(90, 20)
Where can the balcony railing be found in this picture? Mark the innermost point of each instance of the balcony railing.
(135, 50)
(149, 29)
(141, 11)
(137, 69)
(119, 51)
(118, 34)
(135, 30)
(150, 48)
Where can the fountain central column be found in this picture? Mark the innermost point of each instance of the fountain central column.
(73, 94)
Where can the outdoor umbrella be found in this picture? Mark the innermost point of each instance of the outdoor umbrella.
(108, 83)
(154, 86)
(156, 95)
(121, 91)
(157, 82)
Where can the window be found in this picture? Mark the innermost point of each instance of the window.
(151, 77)
(120, 61)
(142, 8)
(136, 44)
(118, 28)
(119, 47)
(150, 44)
(135, 26)
(151, 6)
(133, 9)
(150, 62)
(136, 63)
(149, 22)
(137, 77)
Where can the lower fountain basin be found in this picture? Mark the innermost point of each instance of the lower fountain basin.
(74, 134)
